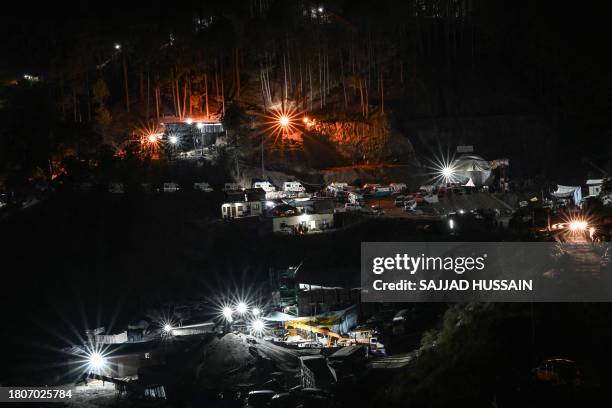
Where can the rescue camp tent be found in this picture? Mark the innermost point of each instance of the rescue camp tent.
(571, 192)
(472, 167)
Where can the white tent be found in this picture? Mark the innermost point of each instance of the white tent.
(470, 183)
(471, 167)
(573, 192)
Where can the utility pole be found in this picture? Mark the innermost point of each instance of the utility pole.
(263, 171)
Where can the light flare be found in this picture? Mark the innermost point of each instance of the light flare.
(442, 170)
(282, 123)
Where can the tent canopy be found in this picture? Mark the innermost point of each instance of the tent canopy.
(573, 192)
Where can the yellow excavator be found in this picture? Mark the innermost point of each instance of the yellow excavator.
(365, 337)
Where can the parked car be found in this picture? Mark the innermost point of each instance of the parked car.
(309, 344)
(170, 188)
(284, 399)
(399, 200)
(259, 398)
(398, 187)
(115, 188)
(378, 210)
(203, 186)
(410, 205)
(231, 187)
(293, 186)
(352, 207)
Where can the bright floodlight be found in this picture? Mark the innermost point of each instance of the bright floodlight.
(173, 139)
(152, 138)
(284, 121)
(242, 308)
(578, 225)
(199, 125)
(167, 328)
(117, 46)
(256, 311)
(189, 121)
(258, 326)
(96, 361)
(447, 172)
(227, 313)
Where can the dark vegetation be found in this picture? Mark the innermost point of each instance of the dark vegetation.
(525, 80)
(515, 79)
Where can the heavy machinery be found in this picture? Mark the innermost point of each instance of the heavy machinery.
(359, 336)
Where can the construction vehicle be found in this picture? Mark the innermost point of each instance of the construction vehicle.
(359, 336)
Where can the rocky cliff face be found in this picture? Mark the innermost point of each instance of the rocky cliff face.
(341, 142)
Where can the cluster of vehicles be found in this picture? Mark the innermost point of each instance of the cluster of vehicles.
(297, 396)
(418, 203)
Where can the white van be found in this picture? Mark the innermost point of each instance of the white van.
(203, 186)
(231, 187)
(115, 188)
(170, 188)
(265, 186)
(293, 186)
(398, 187)
(352, 207)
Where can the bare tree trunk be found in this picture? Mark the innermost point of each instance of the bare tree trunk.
(367, 105)
(301, 81)
(263, 87)
(382, 93)
(178, 98)
(74, 103)
(206, 94)
(237, 74)
(342, 78)
(361, 99)
(285, 82)
(222, 94)
(216, 82)
(141, 87)
(289, 66)
(157, 102)
(173, 87)
(320, 81)
(310, 81)
(125, 80)
(88, 97)
(148, 108)
(184, 98)
(189, 98)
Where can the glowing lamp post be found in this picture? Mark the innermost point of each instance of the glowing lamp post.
(173, 140)
(578, 226)
(242, 308)
(284, 121)
(447, 173)
(227, 313)
(96, 362)
(257, 327)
